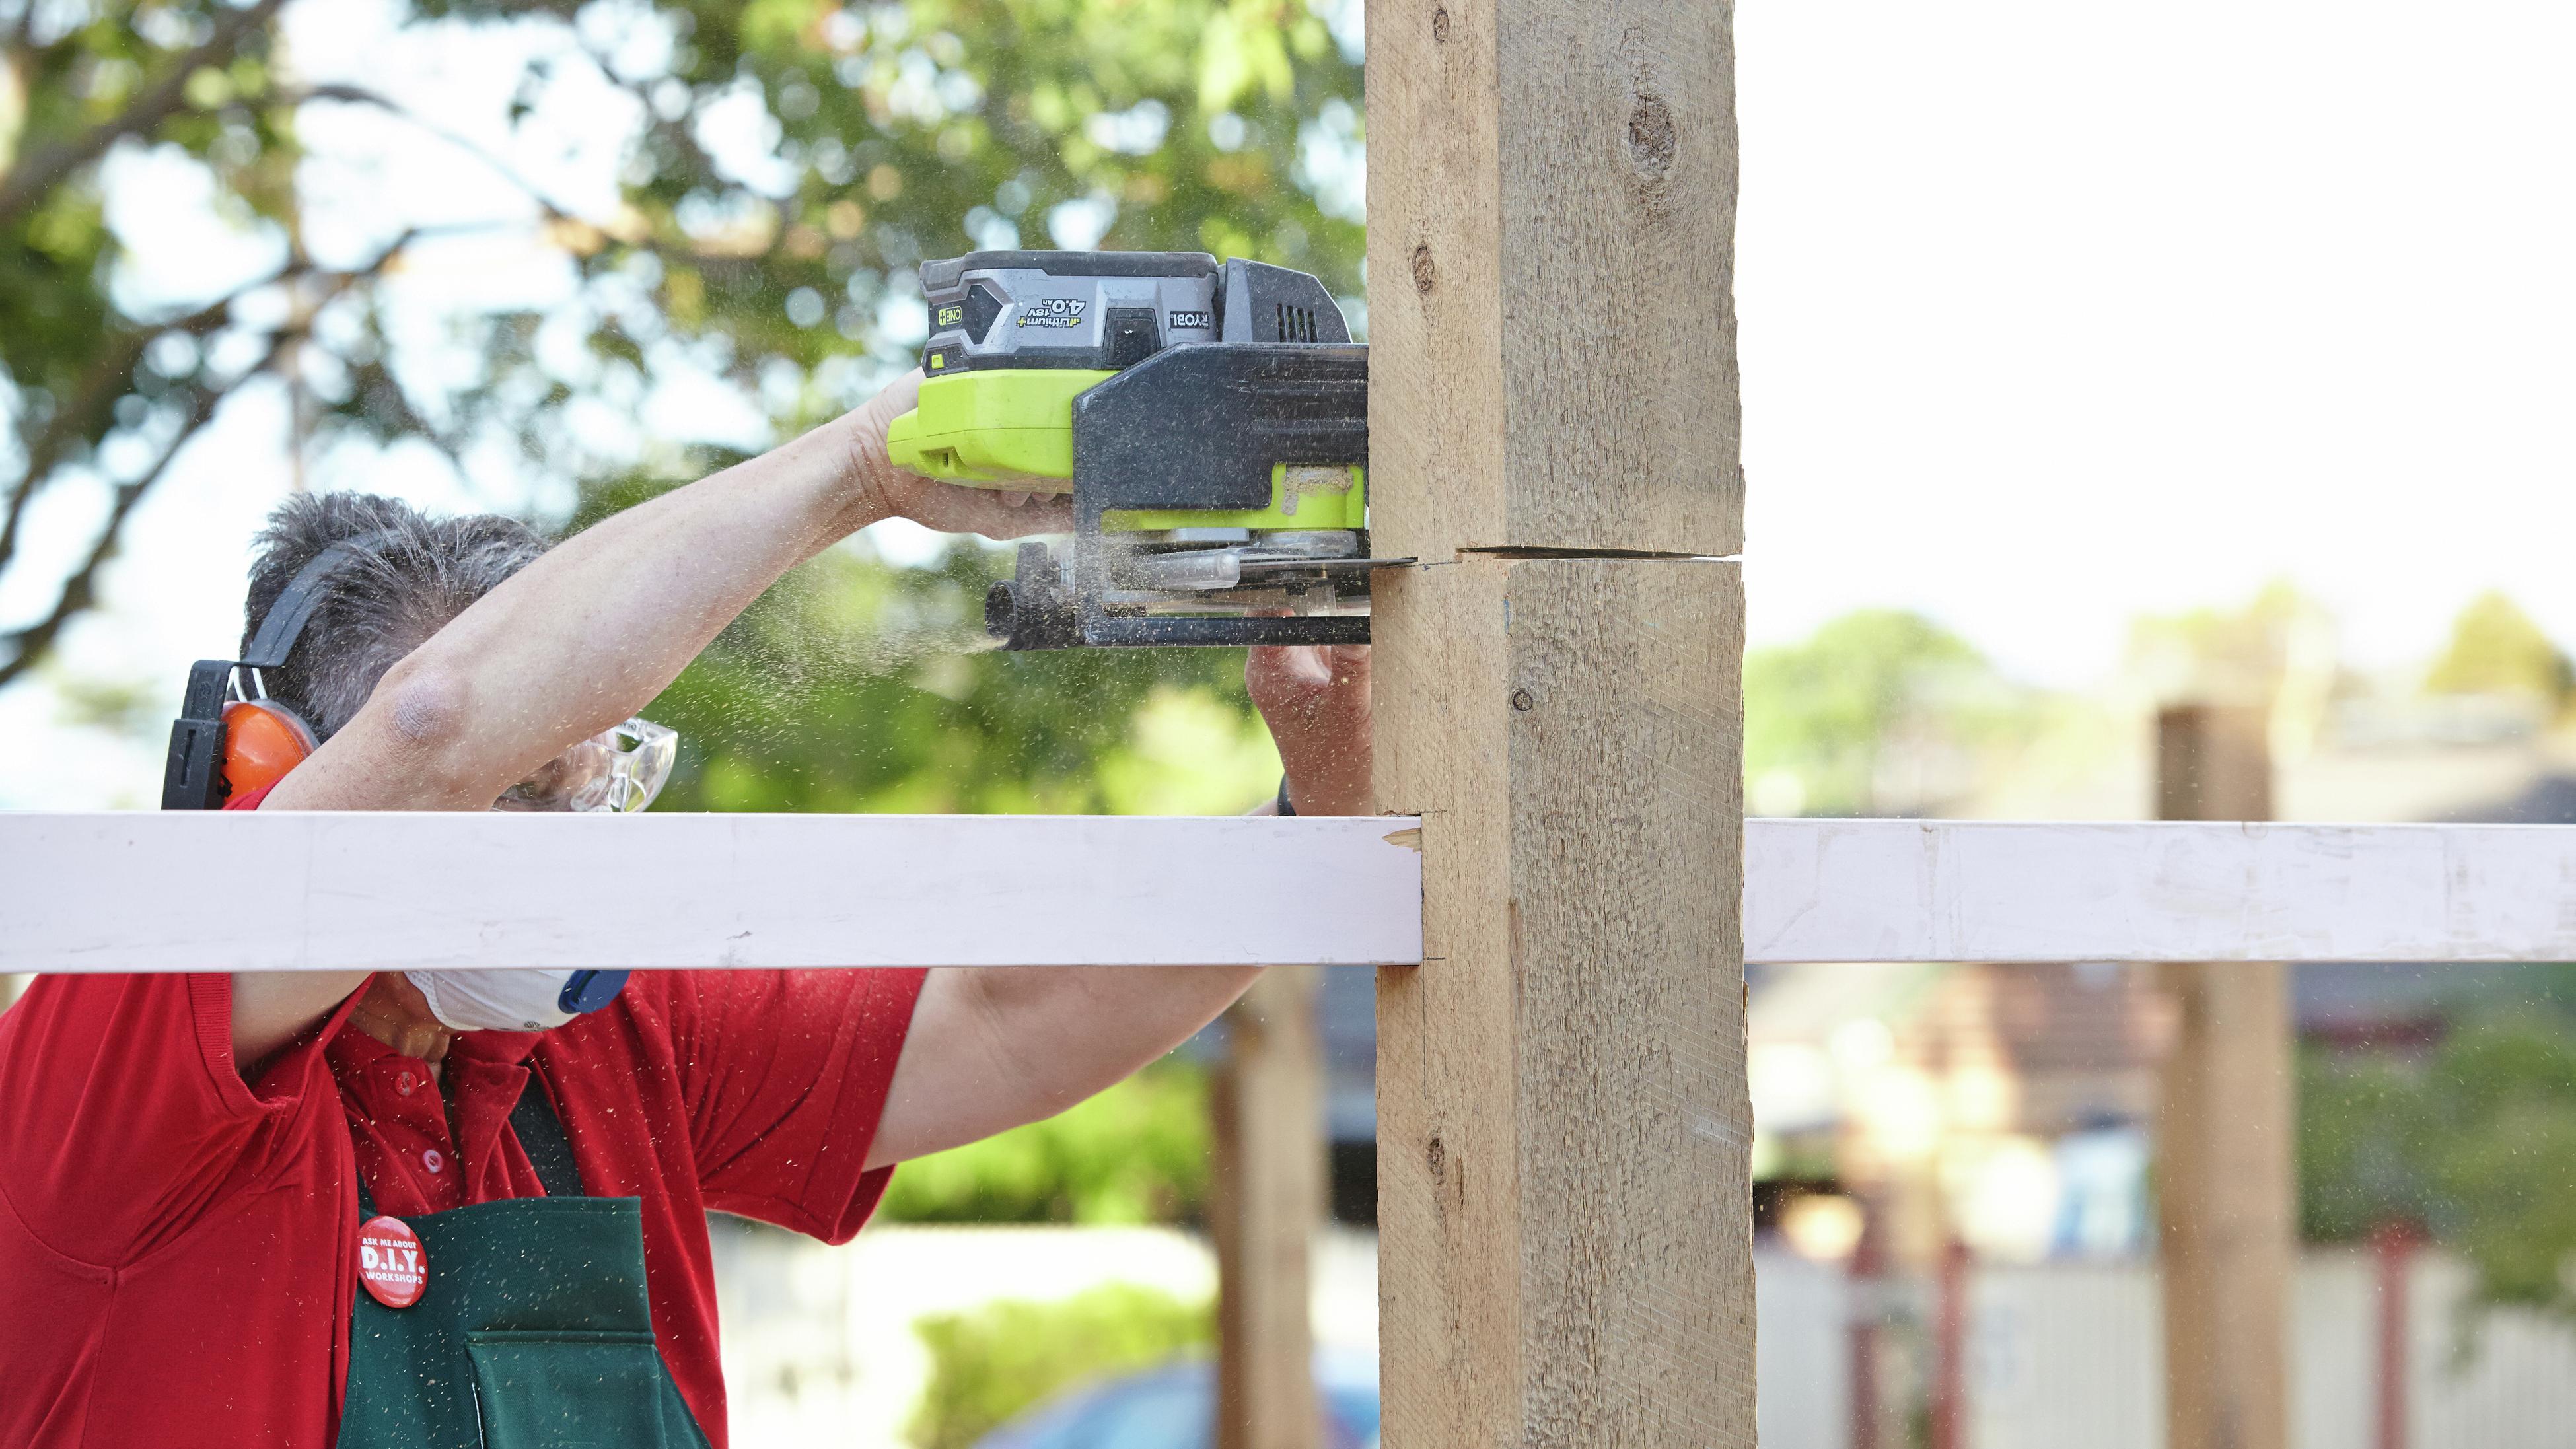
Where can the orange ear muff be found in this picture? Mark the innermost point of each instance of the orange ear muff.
(262, 741)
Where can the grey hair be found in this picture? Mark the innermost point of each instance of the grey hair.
(409, 575)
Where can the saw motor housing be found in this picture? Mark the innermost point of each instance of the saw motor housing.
(1211, 423)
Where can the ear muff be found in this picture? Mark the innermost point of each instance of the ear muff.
(222, 744)
(262, 741)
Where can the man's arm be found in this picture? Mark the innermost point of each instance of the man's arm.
(588, 634)
(994, 1047)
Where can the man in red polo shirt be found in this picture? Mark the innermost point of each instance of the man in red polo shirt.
(186, 1161)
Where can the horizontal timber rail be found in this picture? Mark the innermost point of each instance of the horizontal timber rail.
(1954, 890)
(184, 891)
(213, 891)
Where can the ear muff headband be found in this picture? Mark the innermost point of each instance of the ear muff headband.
(200, 771)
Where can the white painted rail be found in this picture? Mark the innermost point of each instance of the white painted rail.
(212, 891)
(183, 891)
(1945, 890)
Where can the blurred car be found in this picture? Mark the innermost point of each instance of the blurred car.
(1174, 1407)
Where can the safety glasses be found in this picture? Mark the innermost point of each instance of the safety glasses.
(618, 771)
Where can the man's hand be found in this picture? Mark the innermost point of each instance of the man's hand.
(882, 490)
(993, 1047)
(1315, 698)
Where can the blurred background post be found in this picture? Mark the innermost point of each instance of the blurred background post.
(2226, 1201)
(1265, 1204)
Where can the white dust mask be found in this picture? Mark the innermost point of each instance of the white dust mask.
(517, 999)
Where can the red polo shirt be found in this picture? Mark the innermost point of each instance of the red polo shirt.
(177, 1245)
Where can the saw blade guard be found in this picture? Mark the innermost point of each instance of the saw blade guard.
(1210, 423)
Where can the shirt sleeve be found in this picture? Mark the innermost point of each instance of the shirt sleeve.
(123, 1120)
(785, 1074)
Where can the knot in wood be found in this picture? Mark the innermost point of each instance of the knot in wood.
(1422, 269)
(1651, 139)
(1439, 23)
(1524, 701)
(1437, 1155)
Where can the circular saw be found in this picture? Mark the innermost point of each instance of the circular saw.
(1210, 422)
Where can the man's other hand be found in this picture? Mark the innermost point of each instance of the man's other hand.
(1315, 699)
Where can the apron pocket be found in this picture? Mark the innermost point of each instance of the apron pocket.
(567, 1390)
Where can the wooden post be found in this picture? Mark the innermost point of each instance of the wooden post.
(1866, 1284)
(2226, 1184)
(1950, 1347)
(1266, 1199)
(1564, 1191)
(2392, 1253)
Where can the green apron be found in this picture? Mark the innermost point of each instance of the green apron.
(533, 1329)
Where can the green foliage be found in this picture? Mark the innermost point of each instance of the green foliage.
(989, 1365)
(897, 130)
(2495, 648)
(2476, 1141)
(2244, 654)
(859, 686)
(1137, 1153)
(2366, 1128)
(1822, 718)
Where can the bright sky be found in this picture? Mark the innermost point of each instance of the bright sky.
(2052, 315)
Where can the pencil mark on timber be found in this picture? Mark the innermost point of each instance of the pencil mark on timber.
(1422, 269)
(1439, 27)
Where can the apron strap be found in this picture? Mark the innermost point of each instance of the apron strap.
(541, 1136)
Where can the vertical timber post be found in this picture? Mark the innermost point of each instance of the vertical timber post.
(1264, 1204)
(2392, 1253)
(1564, 1191)
(2226, 1183)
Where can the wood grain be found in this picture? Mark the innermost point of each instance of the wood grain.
(1987, 890)
(2226, 1184)
(184, 890)
(1265, 1201)
(1551, 311)
(1435, 277)
(1563, 1130)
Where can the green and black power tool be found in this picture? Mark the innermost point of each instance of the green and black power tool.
(1211, 423)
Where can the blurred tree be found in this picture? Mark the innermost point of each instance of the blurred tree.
(2474, 1140)
(2278, 649)
(1880, 711)
(880, 134)
(988, 1365)
(1137, 1153)
(2495, 648)
(857, 685)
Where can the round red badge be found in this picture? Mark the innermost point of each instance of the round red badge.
(390, 1262)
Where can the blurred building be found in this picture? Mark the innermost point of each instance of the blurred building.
(2012, 1106)
(2008, 1106)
